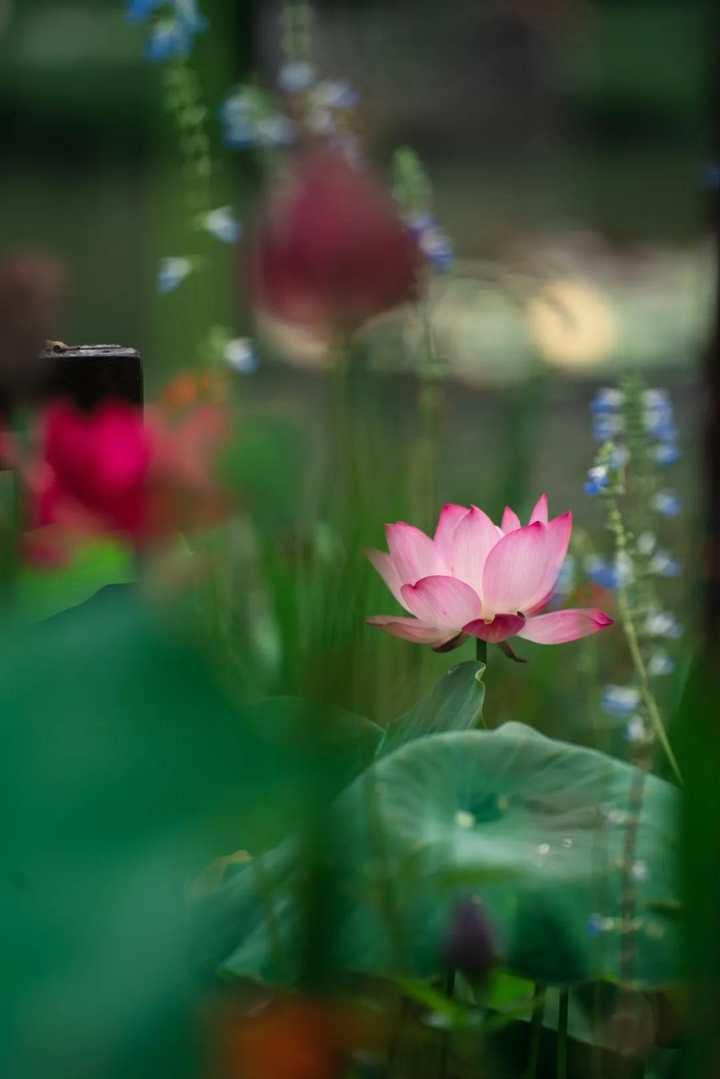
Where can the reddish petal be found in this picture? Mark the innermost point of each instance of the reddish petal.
(501, 627)
(515, 571)
(385, 566)
(450, 517)
(410, 629)
(413, 553)
(442, 601)
(540, 510)
(510, 520)
(559, 627)
(474, 538)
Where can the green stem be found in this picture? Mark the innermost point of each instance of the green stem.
(644, 681)
(561, 1060)
(536, 1025)
(481, 651)
(445, 1044)
(628, 625)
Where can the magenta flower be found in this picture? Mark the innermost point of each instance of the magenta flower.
(476, 578)
(332, 250)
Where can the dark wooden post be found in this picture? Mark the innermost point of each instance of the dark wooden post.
(90, 374)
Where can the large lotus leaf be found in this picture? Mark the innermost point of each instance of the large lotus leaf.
(454, 704)
(536, 828)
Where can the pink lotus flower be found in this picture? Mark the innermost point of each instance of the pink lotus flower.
(332, 250)
(476, 578)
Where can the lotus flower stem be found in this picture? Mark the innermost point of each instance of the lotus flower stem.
(481, 651)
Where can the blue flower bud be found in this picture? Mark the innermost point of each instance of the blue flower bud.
(667, 503)
(606, 400)
(620, 700)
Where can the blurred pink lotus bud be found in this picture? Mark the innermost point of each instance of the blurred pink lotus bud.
(95, 464)
(115, 470)
(332, 251)
(480, 579)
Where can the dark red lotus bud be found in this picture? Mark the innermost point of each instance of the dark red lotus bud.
(470, 945)
(332, 251)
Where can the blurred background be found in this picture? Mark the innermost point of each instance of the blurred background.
(566, 142)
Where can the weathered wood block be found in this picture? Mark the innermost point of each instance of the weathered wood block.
(90, 374)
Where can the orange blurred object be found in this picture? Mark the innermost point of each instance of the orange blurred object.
(292, 1038)
(190, 388)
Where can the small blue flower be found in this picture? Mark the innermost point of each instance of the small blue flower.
(247, 121)
(607, 574)
(664, 565)
(172, 272)
(658, 415)
(435, 245)
(606, 400)
(139, 10)
(601, 572)
(666, 503)
(169, 39)
(241, 356)
(187, 11)
(666, 453)
(620, 700)
(663, 624)
(296, 76)
(607, 425)
(236, 116)
(598, 479)
(660, 664)
(223, 224)
(433, 241)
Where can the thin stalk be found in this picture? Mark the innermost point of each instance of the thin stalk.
(536, 1025)
(644, 681)
(481, 651)
(561, 1058)
(628, 625)
(430, 373)
(445, 1044)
